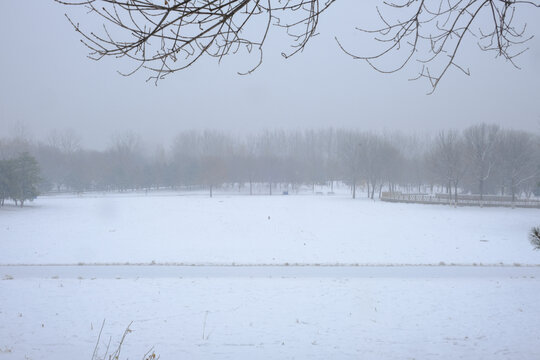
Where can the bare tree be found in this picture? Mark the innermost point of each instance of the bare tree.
(432, 32)
(60, 154)
(66, 141)
(350, 152)
(516, 151)
(125, 160)
(447, 160)
(203, 158)
(378, 159)
(165, 36)
(480, 142)
(216, 151)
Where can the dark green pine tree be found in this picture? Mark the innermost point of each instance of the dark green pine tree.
(6, 179)
(25, 179)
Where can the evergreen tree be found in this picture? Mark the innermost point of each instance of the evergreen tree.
(25, 179)
(6, 175)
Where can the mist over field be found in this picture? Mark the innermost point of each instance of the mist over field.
(482, 159)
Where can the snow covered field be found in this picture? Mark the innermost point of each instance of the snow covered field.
(436, 314)
(260, 230)
(409, 306)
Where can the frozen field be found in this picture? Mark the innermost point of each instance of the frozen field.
(261, 230)
(438, 290)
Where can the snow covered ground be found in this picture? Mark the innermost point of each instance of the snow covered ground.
(260, 230)
(448, 284)
(436, 314)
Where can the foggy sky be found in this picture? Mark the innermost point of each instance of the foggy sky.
(48, 83)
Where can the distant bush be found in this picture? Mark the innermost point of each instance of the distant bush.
(534, 236)
(19, 179)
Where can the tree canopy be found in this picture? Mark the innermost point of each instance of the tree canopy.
(19, 179)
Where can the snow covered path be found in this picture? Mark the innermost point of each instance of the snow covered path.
(257, 271)
(384, 313)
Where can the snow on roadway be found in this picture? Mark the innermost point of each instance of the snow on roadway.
(260, 229)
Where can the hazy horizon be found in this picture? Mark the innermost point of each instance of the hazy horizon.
(49, 84)
(149, 144)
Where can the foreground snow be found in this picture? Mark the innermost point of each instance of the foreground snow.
(260, 230)
(431, 313)
(454, 283)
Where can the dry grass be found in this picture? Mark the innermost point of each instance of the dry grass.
(115, 355)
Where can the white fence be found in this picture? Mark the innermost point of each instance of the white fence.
(433, 199)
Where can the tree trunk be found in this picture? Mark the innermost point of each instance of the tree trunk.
(367, 189)
(354, 190)
(481, 188)
(210, 190)
(513, 192)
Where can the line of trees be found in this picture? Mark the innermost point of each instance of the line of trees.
(482, 159)
(19, 179)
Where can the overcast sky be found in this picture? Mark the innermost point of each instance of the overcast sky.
(48, 83)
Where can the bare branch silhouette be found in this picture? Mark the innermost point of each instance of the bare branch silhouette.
(433, 32)
(165, 36)
(171, 35)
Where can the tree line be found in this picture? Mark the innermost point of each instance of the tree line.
(482, 159)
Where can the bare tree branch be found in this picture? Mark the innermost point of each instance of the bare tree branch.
(165, 36)
(171, 35)
(433, 33)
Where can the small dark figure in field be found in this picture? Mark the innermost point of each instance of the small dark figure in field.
(534, 236)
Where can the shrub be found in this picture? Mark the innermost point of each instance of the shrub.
(534, 237)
